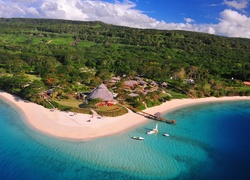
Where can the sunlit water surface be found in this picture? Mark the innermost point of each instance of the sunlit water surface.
(210, 141)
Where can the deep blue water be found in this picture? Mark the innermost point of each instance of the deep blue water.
(210, 141)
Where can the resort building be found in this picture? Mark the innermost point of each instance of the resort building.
(246, 83)
(164, 84)
(130, 84)
(102, 92)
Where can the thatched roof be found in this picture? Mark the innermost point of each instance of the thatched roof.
(130, 83)
(153, 83)
(158, 114)
(101, 92)
(164, 84)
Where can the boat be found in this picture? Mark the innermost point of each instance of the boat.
(165, 134)
(137, 138)
(153, 131)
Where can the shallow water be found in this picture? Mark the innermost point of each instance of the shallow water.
(209, 142)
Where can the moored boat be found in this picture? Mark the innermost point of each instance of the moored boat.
(137, 138)
(153, 131)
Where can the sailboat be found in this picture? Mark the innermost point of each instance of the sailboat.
(153, 131)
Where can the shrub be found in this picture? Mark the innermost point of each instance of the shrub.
(247, 93)
(139, 105)
(93, 102)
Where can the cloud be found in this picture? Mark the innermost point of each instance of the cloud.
(231, 23)
(240, 5)
(189, 20)
(234, 24)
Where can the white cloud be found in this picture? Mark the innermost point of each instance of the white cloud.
(32, 11)
(189, 20)
(234, 24)
(231, 23)
(240, 5)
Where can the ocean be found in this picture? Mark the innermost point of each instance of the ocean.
(209, 141)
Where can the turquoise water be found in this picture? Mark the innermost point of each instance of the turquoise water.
(210, 141)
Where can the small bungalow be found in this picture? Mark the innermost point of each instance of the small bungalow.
(153, 84)
(50, 92)
(189, 81)
(164, 84)
(47, 94)
(138, 78)
(143, 83)
(44, 95)
(114, 80)
(246, 83)
(130, 84)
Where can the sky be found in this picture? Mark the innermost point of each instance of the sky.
(229, 18)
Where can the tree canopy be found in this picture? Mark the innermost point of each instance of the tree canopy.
(64, 53)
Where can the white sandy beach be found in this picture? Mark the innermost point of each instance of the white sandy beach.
(68, 125)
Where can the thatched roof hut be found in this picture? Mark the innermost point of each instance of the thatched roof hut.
(130, 84)
(153, 83)
(101, 92)
(164, 84)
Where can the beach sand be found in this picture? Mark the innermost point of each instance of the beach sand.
(69, 125)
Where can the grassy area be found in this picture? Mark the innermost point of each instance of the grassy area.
(243, 88)
(72, 102)
(176, 95)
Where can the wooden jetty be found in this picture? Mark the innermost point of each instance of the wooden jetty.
(158, 118)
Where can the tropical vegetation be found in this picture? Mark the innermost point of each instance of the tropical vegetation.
(74, 56)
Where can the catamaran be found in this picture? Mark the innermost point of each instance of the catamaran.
(153, 131)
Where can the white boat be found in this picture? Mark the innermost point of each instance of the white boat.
(137, 138)
(153, 131)
(165, 134)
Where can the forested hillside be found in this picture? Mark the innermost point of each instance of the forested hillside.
(65, 53)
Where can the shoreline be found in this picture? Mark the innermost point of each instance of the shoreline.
(72, 126)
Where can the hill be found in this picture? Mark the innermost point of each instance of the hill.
(77, 56)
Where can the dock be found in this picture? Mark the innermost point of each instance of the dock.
(157, 118)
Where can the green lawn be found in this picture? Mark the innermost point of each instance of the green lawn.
(243, 88)
(176, 95)
(72, 102)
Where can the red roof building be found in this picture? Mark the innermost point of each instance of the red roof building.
(246, 83)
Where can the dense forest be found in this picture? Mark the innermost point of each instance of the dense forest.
(79, 55)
